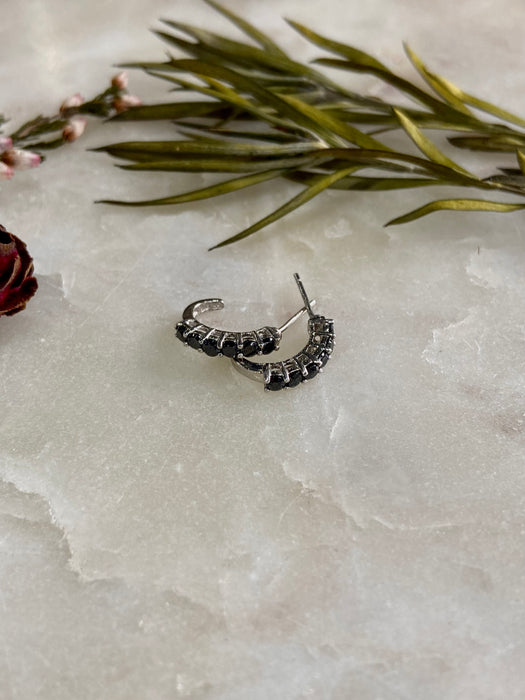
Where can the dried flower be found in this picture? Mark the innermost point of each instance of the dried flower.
(20, 159)
(17, 284)
(124, 102)
(120, 80)
(5, 143)
(6, 171)
(71, 102)
(74, 129)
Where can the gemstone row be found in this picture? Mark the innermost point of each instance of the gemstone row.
(216, 343)
(306, 364)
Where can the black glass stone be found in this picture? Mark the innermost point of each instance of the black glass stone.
(209, 346)
(312, 368)
(180, 328)
(249, 347)
(193, 340)
(229, 347)
(267, 344)
(275, 382)
(295, 377)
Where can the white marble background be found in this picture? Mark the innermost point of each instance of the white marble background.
(167, 529)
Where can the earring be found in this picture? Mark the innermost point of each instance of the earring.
(233, 344)
(303, 366)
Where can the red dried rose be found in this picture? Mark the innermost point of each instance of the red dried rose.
(17, 284)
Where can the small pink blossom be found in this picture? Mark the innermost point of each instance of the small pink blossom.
(120, 80)
(74, 129)
(124, 102)
(5, 143)
(6, 171)
(71, 102)
(19, 159)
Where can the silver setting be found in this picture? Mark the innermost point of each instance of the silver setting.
(221, 340)
(207, 335)
(196, 327)
(267, 338)
(314, 355)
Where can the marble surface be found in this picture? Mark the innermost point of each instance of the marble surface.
(167, 529)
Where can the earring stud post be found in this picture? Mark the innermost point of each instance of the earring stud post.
(307, 302)
(295, 317)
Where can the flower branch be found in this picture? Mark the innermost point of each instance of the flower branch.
(22, 149)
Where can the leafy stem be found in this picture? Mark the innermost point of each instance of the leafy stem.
(266, 116)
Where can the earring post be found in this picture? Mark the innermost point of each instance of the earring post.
(295, 317)
(307, 303)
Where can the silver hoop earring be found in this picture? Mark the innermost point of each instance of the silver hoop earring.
(233, 344)
(303, 366)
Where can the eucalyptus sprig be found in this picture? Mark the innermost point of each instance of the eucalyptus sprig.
(262, 115)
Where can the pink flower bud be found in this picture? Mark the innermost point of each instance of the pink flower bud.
(5, 143)
(75, 128)
(74, 101)
(6, 171)
(120, 80)
(20, 159)
(124, 102)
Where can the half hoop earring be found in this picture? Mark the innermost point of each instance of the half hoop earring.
(233, 344)
(303, 366)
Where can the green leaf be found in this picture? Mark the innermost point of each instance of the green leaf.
(221, 133)
(511, 182)
(510, 171)
(425, 120)
(211, 46)
(437, 83)
(251, 31)
(426, 146)
(217, 165)
(456, 205)
(482, 105)
(332, 124)
(359, 60)
(231, 97)
(294, 203)
(264, 96)
(437, 106)
(171, 150)
(521, 160)
(349, 52)
(45, 145)
(220, 188)
(236, 55)
(423, 166)
(381, 159)
(172, 110)
(216, 49)
(196, 49)
(502, 143)
(366, 183)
